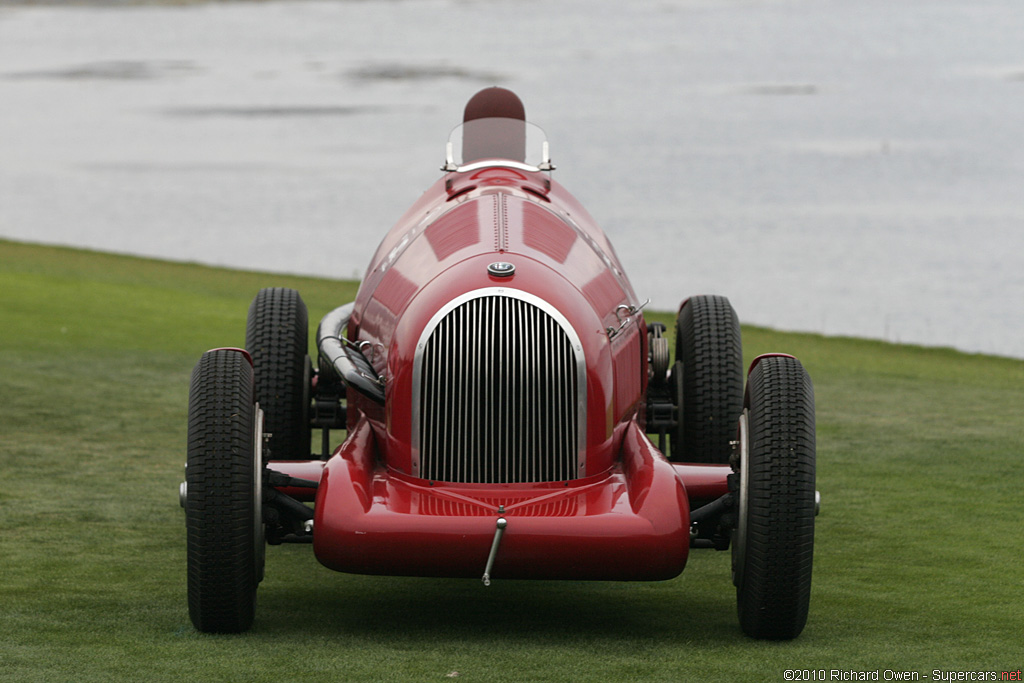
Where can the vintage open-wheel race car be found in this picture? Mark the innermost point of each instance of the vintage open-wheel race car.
(500, 389)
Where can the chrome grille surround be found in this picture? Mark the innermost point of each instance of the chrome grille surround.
(499, 392)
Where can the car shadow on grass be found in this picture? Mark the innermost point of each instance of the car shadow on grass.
(425, 610)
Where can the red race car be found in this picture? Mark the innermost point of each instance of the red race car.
(509, 413)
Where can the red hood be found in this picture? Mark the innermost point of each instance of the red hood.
(441, 249)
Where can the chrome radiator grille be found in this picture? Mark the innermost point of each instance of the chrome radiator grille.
(498, 385)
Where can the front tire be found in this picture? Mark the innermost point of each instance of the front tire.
(773, 544)
(223, 506)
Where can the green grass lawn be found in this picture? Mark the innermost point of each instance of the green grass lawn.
(917, 565)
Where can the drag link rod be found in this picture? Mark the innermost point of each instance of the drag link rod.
(286, 502)
(712, 509)
(280, 479)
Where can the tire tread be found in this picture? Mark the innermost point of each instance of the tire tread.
(277, 338)
(774, 596)
(219, 508)
(708, 341)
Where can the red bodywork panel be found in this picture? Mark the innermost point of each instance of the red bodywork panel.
(625, 517)
(631, 522)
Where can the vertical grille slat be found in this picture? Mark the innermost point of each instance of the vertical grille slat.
(498, 395)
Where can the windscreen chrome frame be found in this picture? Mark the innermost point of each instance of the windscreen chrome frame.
(534, 135)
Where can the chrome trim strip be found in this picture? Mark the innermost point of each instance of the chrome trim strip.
(259, 531)
(496, 163)
(739, 539)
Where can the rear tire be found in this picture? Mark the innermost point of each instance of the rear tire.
(277, 338)
(773, 544)
(223, 506)
(709, 345)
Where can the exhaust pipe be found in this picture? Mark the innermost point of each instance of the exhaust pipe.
(346, 357)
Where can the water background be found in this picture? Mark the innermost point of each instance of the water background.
(850, 168)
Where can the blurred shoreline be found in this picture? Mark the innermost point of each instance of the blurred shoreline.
(845, 169)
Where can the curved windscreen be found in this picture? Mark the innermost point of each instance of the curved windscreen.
(489, 141)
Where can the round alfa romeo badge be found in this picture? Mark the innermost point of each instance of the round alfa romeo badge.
(501, 269)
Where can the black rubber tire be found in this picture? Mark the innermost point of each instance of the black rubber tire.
(709, 345)
(225, 551)
(772, 560)
(277, 338)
